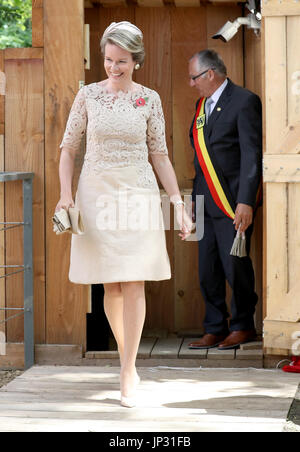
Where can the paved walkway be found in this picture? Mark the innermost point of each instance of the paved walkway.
(82, 399)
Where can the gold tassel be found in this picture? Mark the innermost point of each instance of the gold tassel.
(239, 245)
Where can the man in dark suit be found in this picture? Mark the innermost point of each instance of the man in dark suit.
(227, 131)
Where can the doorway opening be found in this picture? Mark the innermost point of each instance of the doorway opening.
(97, 326)
(176, 307)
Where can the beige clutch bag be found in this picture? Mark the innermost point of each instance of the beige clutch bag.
(68, 221)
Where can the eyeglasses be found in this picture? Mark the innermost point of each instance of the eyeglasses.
(202, 73)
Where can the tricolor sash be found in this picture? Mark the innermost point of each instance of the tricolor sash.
(213, 176)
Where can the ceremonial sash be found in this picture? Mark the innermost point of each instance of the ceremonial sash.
(214, 179)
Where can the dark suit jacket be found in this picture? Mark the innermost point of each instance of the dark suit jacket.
(235, 138)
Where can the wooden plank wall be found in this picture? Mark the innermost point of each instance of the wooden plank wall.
(66, 303)
(282, 163)
(180, 32)
(24, 146)
(35, 114)
(159, 3)
(22, 107)
(157, 22)
(253, 81)
(2, 194)
(37, 23)
(189, 35)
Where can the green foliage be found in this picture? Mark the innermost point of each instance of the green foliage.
(15, 23)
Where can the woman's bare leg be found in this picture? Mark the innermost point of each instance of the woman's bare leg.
(113, 307)
(134, 313)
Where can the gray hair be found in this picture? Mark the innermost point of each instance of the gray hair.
(127, 40)
(211, 59)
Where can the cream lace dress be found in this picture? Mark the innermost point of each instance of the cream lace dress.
(117, 194)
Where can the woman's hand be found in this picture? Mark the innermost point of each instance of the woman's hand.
(184, 221)
(64, 203)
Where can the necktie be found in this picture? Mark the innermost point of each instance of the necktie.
(207, 108)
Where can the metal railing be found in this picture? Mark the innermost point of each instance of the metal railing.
(27, 267)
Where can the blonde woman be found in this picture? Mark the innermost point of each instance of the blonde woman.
(117, 190)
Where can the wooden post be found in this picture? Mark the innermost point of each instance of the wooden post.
(282, 176)
(67, 303)
(150, 3)
(37, 23)
(156, 74)
(24, 146)
(2, 194)
(280, 8)
(189, 35)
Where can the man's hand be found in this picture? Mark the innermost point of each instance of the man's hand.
(243, 217)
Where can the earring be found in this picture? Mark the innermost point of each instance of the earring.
(137, 66)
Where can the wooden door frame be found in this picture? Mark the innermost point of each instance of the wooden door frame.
(281, 160)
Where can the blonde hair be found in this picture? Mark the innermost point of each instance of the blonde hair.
(127, 40)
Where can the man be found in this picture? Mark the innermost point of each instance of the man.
(226, 135)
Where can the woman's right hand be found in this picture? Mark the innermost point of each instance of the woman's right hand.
(185, 222)
(64, 203)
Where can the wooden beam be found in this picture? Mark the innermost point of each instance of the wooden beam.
(276, 80)
(281, 336)
(157, 3)
(282, 168)
(111, 3)
(87, 51)
(2, 193)
(187, 3)
(288, 142)
(2, 86)
(14, 358)
(64, 69)
(293, 73)
(150, 3)
(264, 207)
(156, 74)
(276, 259)
(24, 145)
(37, 24)
(37, 3)
(189, 34)
(27, 53)
(60, 354)
(225, 1)
(92, 18)
(280, 8)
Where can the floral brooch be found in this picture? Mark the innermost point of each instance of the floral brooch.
(141, 102)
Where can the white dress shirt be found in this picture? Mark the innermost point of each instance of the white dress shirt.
(213, 99)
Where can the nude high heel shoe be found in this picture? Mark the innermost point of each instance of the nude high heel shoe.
(130, 402)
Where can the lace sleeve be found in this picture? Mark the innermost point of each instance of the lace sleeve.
(76, 124)
(156, 134)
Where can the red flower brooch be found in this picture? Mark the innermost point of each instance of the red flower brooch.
(141, 102)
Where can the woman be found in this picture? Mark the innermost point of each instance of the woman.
(124, 123)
